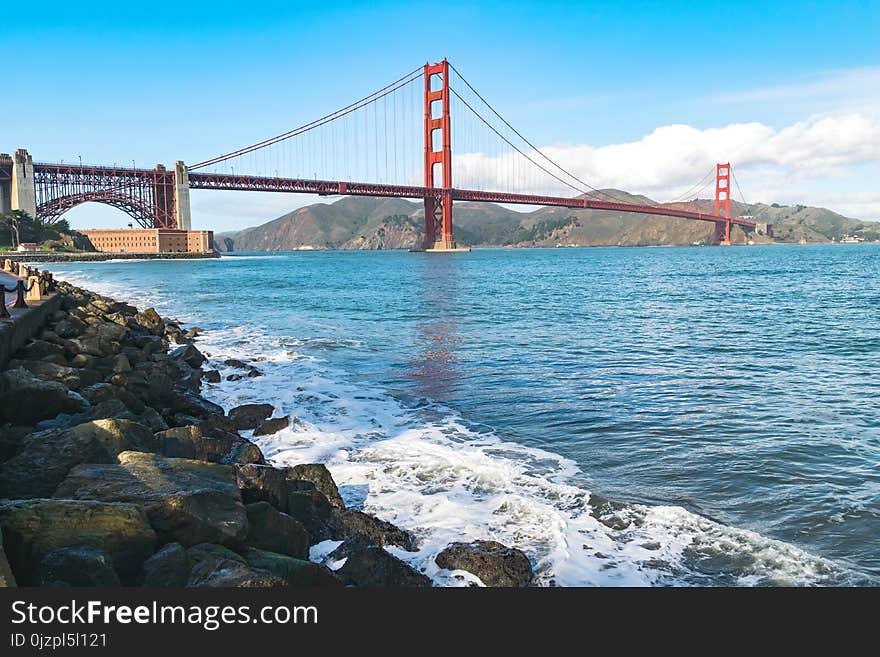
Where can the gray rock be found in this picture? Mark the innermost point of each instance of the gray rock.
(319, 475)
(70, 327)
(34, 528)
(262, 483)
(271, 530)
(76, 566)
(169, 567)
(244, 451)
(25, 399)
(186, 500)
(70, 377)
(365, 529)
(186, 401)
(374, 567)
(495, 564)
(43, 351)
(215, 565)
(232, 574)
(45, 458)
(313, 510)
(188, 354)
(212, 376)
(294, 572)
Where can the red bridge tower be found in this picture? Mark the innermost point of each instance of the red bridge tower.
(722, 203)
(438, 160)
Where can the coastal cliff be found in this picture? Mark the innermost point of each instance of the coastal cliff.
(115, 470)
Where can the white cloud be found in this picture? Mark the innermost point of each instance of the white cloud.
(853, 88)
(800, 163)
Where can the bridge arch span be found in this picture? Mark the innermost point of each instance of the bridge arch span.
(52, 210)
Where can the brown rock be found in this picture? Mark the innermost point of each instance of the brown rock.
(495, 564)
(34, 528)
(44, 458)
(186, 500)
(249, 416)
(272, 426)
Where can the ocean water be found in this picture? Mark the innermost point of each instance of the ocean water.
(665, 416)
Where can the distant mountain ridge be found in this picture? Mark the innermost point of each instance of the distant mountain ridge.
(375, 223)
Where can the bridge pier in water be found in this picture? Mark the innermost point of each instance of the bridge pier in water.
(722, 203)
(438, 208)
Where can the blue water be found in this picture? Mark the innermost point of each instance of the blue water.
(633, 416)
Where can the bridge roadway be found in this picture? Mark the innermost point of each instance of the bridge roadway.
(121, 177)
(333, 188)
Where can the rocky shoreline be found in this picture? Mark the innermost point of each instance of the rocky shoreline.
(114, 470)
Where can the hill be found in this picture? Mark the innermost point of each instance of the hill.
(372, 223)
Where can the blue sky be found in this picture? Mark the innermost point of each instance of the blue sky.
(116, 82)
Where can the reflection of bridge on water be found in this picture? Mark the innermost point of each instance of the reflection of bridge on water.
(434, 368)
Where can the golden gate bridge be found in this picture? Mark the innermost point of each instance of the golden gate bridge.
(405, 140)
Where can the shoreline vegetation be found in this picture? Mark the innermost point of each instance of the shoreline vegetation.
(115, 470)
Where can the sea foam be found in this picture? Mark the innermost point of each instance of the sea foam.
(427, 470)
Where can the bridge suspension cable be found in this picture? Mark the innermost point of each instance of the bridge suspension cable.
(370, 99)
(573, 182)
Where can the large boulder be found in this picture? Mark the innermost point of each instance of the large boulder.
(211, 552)
(233, 574)
(271, 530)
(80, 565)
(43, 351)
(190, 403)
(187, 354)
(149, 320)
(215, 565)
(169, 567)
(44, 458)
(359, 527)
(70, 377)
(294, 572)
(249, 416)
(310, 507)
(186, 500)
(25, 399)
(272, 426)
(317, 474)
(244, 451)
(373, 566)
(189, 443)
(70, 327)
(34, 528)
(262, 483)
(495, 564)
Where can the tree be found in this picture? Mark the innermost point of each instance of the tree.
(15, 220)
